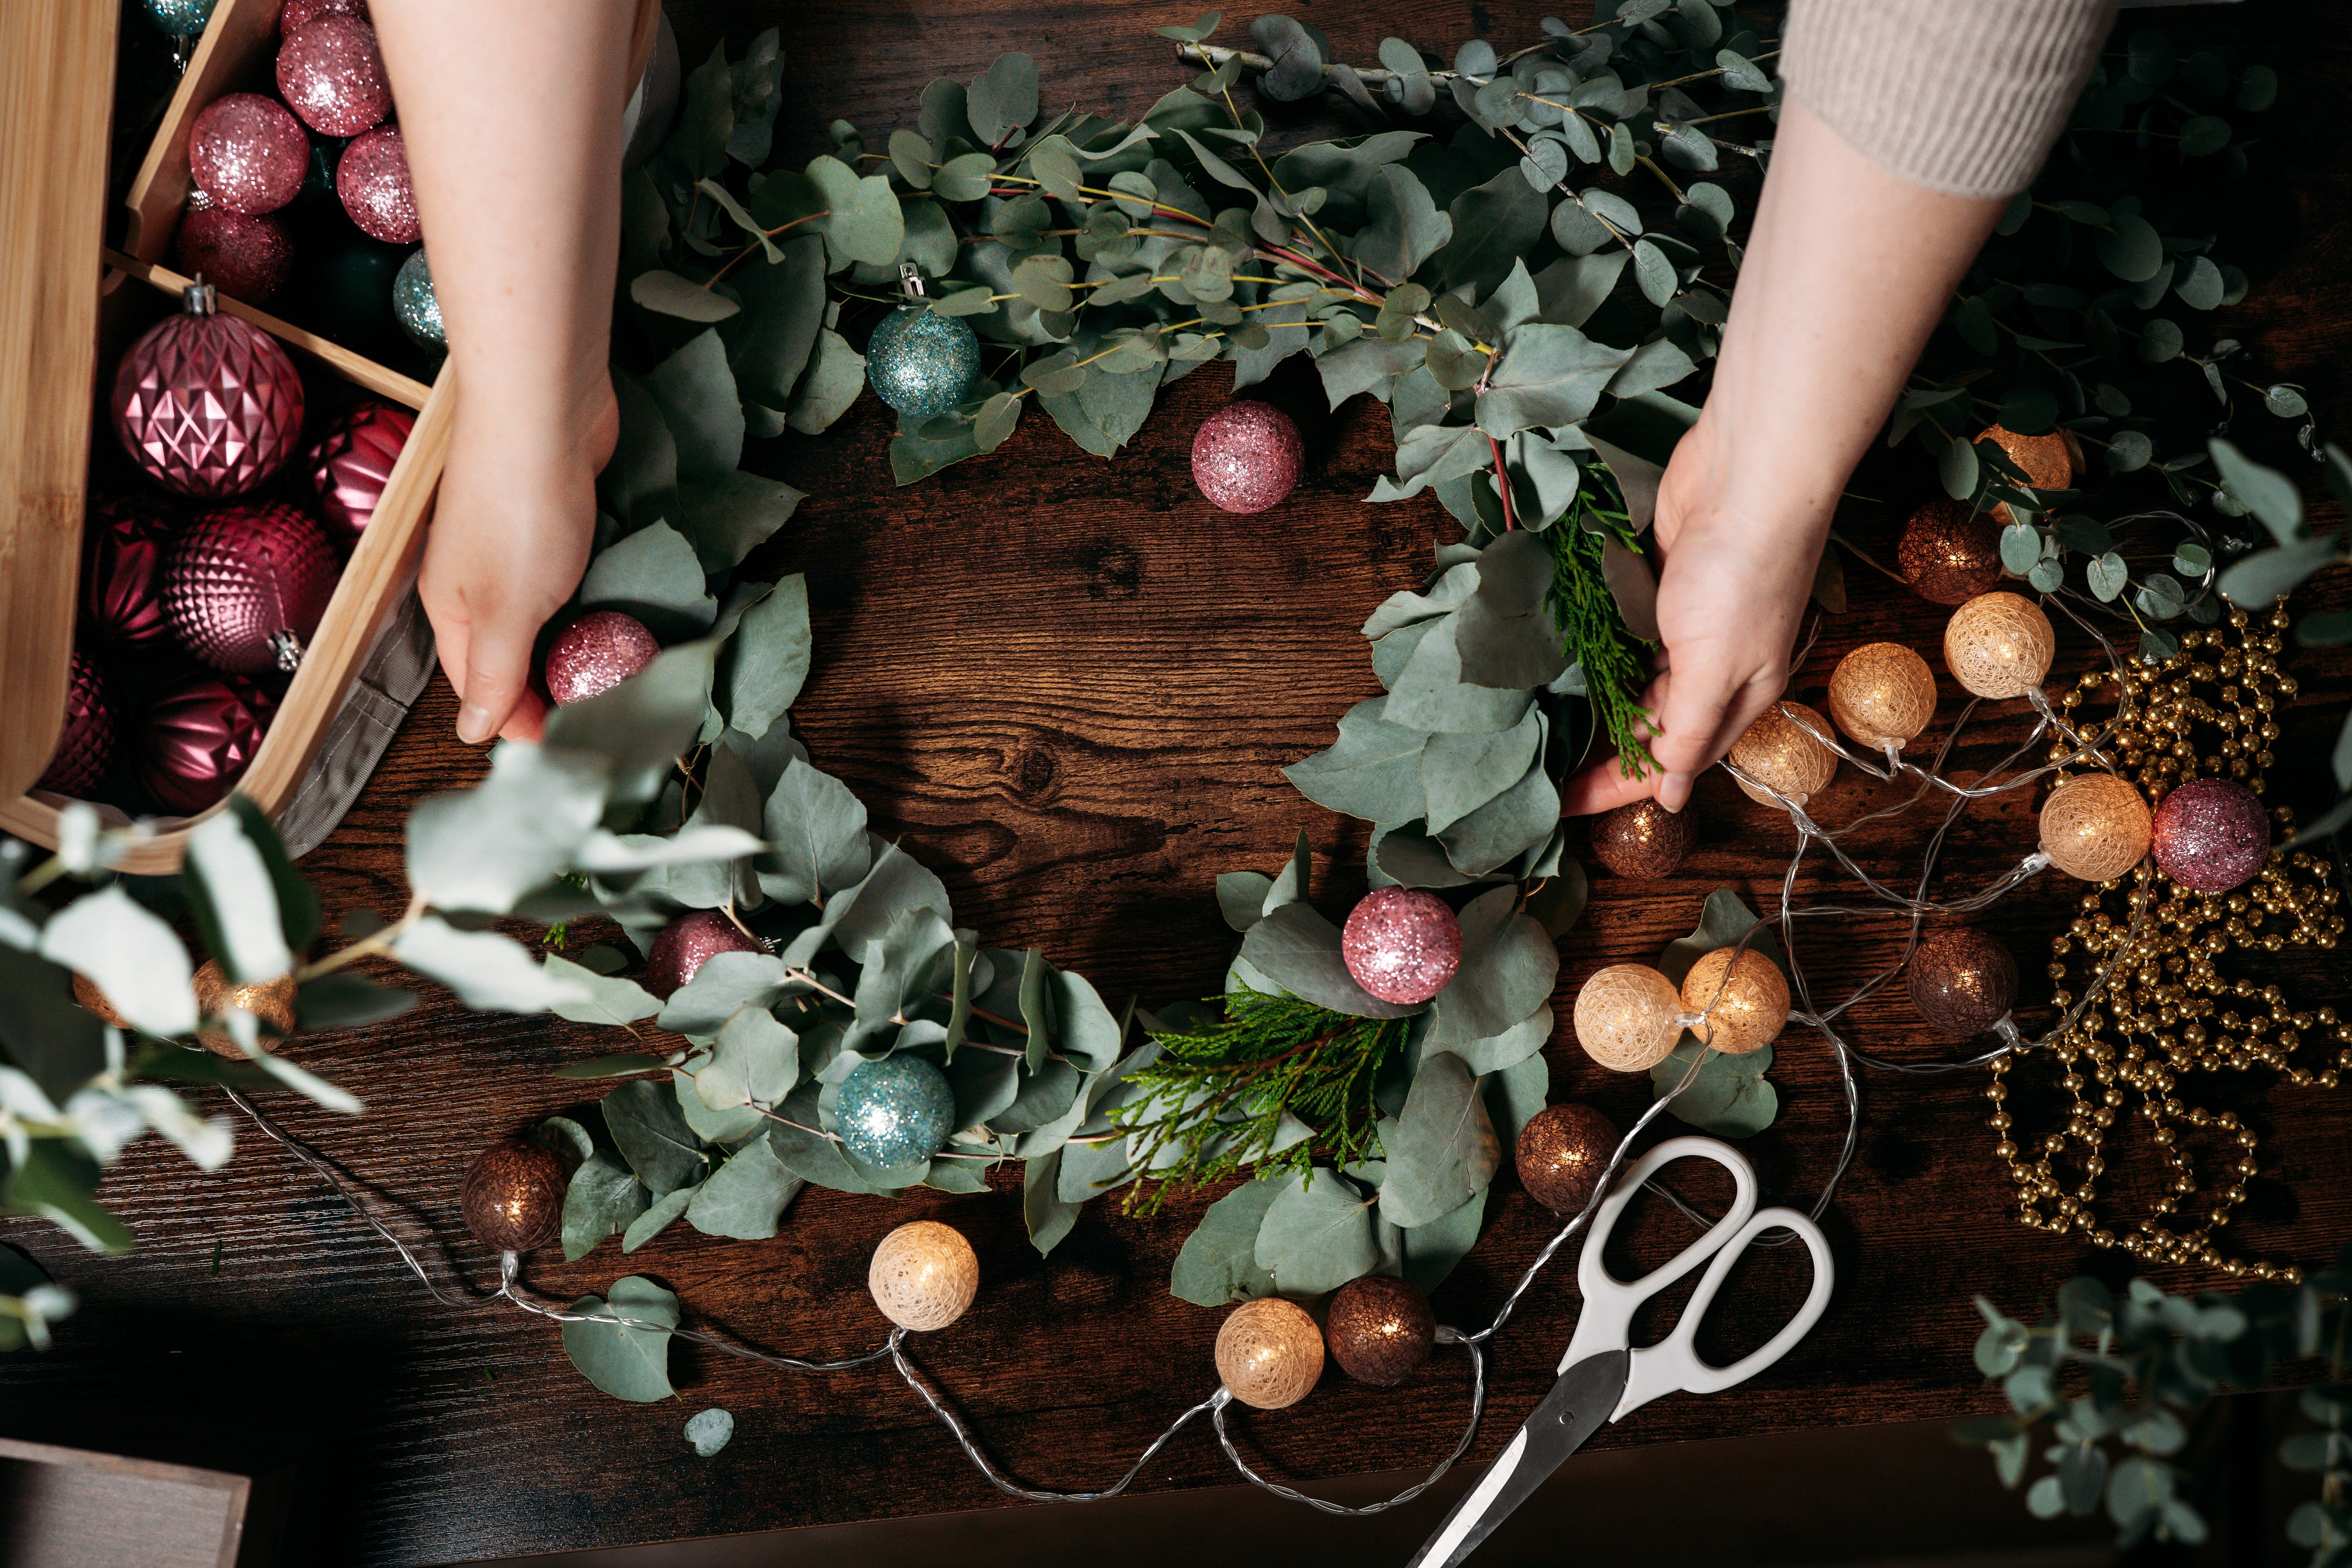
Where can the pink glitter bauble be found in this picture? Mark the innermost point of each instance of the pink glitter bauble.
(1402, 944)
(373, 181)
(299, 14)
(1247, 456)
(206, 403)
(124, 539)
(86, 745)
(248, 153)
(351, 463)
(245, 586)
(2212, 835)
(686, 943)
(596, 653)
(200, 733)
(246, 257)
(331, 74)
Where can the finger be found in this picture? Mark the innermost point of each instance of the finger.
(1692, 716)
(498, 675)
(528, 719)
(1603, 785)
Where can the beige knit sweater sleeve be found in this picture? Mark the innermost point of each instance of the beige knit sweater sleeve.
(1963, 96)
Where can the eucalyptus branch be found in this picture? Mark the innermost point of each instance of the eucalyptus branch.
(375, 945)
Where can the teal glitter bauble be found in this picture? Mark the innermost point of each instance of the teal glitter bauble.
(415, 305)
(180, 19)
(921, 363)
(894, 1112)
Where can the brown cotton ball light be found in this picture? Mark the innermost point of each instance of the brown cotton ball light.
(1379, 1330)
(1642, 839)
(1999, 646)
(88, 996)
(2051, 462)
(1561, 1153)
(1743, 996)
(1962, 981)
(271, 1001)
(513, 1198)
(2095, 826)
(1625, 1018)
(924, 1276)
(1950, 552)
(1269, 1352)
(1882, 694)
(1779, 754)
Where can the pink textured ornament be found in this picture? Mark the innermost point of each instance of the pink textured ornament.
(2212, 835)
(1402, 944)
(373, 181)
(351, 463)
(596, 653)
(248, 153)
(331, 74)
(200, 732)
(245, 586)
(246, 256)
(206, 403)
(299, 14)
(86, 745)
(123, 542)
(687, 943)
(1247, 456)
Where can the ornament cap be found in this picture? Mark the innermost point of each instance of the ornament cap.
(910, 280)
(200, 298)
(286, 649)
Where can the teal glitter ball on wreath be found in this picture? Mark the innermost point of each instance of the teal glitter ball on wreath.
(894, 1112)
(921, 363)
(415, 306)
(180, 19)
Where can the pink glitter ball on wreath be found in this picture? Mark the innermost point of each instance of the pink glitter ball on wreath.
(244, 256)
(299, 14)
(687, 943)
(372, 180)
(332, 75)
(248, 153)
(1402, 944)
(2212, 835)
(1247, 456)
(596, 653)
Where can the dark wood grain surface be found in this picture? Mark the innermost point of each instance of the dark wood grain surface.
(1069, 685)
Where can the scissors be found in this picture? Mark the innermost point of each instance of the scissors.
(1600, 1378)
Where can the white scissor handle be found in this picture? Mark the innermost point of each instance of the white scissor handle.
(1674, 1363)
(1606, 1322)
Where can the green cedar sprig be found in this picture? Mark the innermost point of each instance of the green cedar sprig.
(1214, 1100)
(1615, 662)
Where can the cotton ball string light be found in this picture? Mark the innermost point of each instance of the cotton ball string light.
(1780, 753)
(924, 1276)
(1269, 1352)
(1642, 839)
(895, 1112)
(2050, 462)
(247, 154)
(1743, 997)
(2212, 835)
(371, 179)
(1999, 646)
(512, 1199)
(1881, 694)
(331, 75)
(1379, 1330)
(2095, 826)
(689, 941)
(1950, 552)
(416, 307)
(1560, 1155)
(1962, 981)
(596, 653)
(918, 361)
(1402, 944)
(1247, 456)
(1626, 1018)
(271, 1001)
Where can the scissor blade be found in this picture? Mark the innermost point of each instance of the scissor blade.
(1578, 1403)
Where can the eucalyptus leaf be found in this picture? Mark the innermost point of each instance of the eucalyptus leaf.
(624, 1361)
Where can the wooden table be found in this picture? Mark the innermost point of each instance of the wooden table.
(1069, 686)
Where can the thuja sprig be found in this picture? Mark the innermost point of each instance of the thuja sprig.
(1615, 662)
(1215, 1100)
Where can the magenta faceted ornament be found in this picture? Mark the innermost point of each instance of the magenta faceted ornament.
(1247, 456)
(2212, 835)
(246, 256)
(351, 463)
(200, 732)
(124, 540)
(247, 154)
(371, 178)
(245, 586)
(86, 745)
(687, 943)
(208, 404)
(1402, 944)
(331, 74)
(596, 653)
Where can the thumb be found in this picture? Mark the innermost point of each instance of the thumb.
(1706, 706)
(497, 678)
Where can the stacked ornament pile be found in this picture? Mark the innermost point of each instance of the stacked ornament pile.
(310, 188)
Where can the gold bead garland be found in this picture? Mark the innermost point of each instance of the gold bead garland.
(2166, 1010)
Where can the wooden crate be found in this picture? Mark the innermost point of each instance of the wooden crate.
(72, 1509)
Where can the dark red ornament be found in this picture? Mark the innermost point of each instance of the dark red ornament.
(248, 153)
(373, 181)
(245, 587)
(299, 14)
(687, 943)
(352, 462)
(200, 732)
(124, 539)
(86, 745)
(596, 653)
(246, 256)
(2212, 835)
(1247, 456)
(206, 403)
(331, 74)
